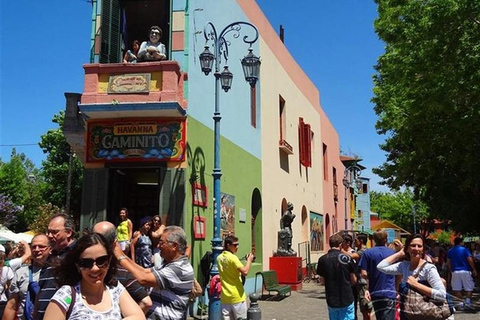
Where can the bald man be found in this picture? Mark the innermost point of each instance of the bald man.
(138, 293)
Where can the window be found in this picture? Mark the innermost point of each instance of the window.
(365, 188)
(283, 118)
(123, 21)
(305, 143)
(325, 162)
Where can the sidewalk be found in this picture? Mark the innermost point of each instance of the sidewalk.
(309, 303)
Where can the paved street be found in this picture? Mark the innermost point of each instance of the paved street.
(309, 303)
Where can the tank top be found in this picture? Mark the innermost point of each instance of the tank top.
(122, 231)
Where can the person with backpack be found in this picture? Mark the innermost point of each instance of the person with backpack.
(24, 286)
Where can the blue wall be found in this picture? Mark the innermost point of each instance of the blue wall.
(234, 105)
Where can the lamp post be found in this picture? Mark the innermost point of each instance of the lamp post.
(350, 177)
(251, 67)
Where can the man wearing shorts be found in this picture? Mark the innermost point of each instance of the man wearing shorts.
(459, 263)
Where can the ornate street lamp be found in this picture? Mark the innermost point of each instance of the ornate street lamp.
(206, 61)
(251, 68)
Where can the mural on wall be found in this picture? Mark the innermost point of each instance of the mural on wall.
(227, 214)
(316, 232)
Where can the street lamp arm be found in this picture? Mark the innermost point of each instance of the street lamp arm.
(221, 44)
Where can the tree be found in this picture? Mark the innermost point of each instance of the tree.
(22, 183)
(397, 207)
(55, 168)
(427, 98)
(8, 211)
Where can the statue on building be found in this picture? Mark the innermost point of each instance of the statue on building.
(152, 50)
(285, 234)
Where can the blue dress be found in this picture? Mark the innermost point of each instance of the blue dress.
(143, 251)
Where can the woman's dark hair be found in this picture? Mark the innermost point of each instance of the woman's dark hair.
(67, 271)
(409, 240)
(124, 209)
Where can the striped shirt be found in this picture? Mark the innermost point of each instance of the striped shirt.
(47, 283)
(170, 296)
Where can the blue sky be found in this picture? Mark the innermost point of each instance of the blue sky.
(44, 45)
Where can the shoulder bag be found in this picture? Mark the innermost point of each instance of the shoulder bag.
(416, 306)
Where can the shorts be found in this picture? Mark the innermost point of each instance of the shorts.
(462, 279)
(364, 304)
(234, 311)
(343, 313)
(124, 244)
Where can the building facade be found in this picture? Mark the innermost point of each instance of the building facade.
(145, 131)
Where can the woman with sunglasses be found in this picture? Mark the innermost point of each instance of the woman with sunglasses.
(88, 269)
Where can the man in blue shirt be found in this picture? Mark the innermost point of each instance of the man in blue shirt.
(381, 287)
(459, 263)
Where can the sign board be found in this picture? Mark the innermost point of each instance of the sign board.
(129, 83)
(156, 139)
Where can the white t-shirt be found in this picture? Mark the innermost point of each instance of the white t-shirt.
(6, 276)
(80, 310)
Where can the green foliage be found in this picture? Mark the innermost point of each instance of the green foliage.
(55, 169)
(22, 183)
(427, 98)
(42, 219)
(397, 207)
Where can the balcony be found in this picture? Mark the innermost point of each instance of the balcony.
(121, 90)
(285, 147)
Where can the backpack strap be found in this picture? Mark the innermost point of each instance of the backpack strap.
(72, 303)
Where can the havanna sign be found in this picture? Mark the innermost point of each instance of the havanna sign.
(136, 140)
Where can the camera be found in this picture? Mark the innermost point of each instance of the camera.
(246, 257)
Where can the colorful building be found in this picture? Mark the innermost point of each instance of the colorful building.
(145, 132)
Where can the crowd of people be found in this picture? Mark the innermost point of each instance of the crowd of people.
(112, 272)
(377, 279)
(59, 277)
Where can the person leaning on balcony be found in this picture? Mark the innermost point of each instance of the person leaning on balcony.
(153, 49)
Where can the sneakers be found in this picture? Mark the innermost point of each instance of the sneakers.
(469, 306)
(460, 306)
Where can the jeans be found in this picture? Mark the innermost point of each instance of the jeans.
(384, 308)
(343, 313)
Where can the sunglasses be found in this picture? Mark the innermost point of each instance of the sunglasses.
(235, 244)
(87, 263)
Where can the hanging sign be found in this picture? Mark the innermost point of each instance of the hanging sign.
(136, 140)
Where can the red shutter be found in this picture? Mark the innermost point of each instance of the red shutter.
(307, 136)
(301, 140)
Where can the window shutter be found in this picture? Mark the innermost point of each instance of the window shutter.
(301, 141)
(307, 136)
(110, 32)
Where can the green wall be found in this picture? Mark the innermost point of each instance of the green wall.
(241, 175)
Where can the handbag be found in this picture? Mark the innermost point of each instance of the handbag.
(416, 306)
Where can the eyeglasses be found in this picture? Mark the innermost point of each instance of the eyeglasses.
(38, 246)
(53, 231)
(87, 263)
(161, 242)
(154, 32)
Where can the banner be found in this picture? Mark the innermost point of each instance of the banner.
(136, 140)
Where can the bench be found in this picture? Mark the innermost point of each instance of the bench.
(270, 283)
